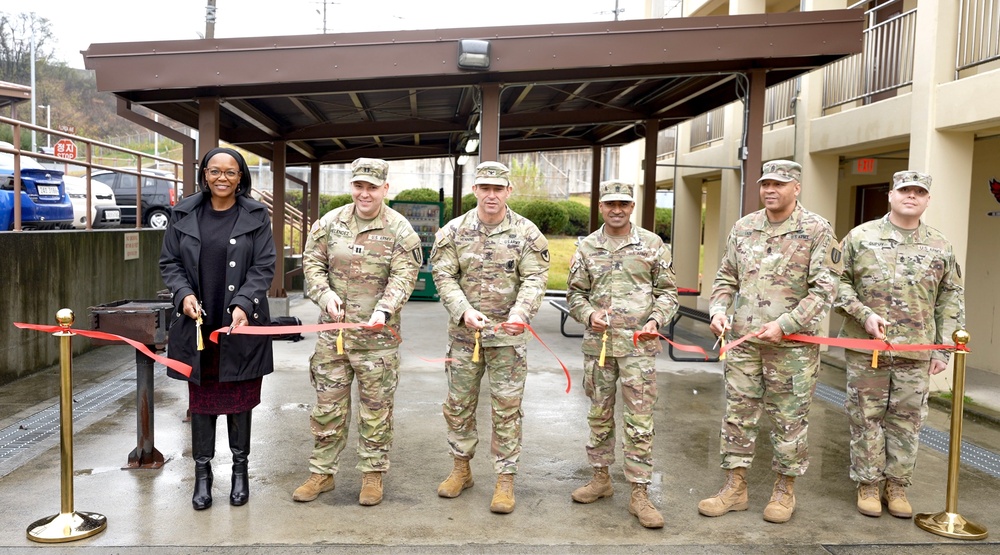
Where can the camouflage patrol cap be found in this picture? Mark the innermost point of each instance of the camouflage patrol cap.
(911, 179)
(616, 190)
(781, 170)
(371, 170)
(492, 173)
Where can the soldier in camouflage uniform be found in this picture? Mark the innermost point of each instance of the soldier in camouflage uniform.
(900, 283)
(490, 267)
(781, 268)
(360, 265)
(621, 281)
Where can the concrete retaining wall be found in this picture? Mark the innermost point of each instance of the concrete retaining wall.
(41, 272)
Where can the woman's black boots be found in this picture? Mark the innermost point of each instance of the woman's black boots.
(239, 444)
(202, 451)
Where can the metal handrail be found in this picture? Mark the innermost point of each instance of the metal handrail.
(293, 218)
(779, 101)
(978, 33)
(87, 163)
(885, 62)
(708, 127)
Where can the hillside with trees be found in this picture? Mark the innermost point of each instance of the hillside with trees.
(71, 93)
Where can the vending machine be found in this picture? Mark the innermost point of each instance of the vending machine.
(426, 218)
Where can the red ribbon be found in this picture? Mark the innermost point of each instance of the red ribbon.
(306, 328)
(872, 344)
(532, 330)
(168, 362)
(678, 346)
(849, 343)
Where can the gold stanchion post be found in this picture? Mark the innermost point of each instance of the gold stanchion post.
(949, 523)
(68, 525)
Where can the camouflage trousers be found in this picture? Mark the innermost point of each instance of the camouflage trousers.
(506, 369)
(886, 407)
(780, 381)
(377, 373)
(638, 376)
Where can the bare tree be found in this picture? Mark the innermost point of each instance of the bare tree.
(15, 45)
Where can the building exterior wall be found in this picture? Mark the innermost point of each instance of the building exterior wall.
(66, 269)
(946, 125)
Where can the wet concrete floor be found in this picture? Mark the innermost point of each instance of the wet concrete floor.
(149, 511)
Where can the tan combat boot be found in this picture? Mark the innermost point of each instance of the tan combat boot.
(503, 495)
(598, 487)
(782, 503)
(459, 479)
(895, 499)
(868, 503)
(732, 496)
(371, 489)
(315, 485)
(643, 508)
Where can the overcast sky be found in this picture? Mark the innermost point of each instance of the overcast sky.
(78, 23)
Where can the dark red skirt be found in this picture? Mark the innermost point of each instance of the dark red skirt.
(215, 397)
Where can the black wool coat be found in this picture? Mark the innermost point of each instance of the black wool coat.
(249, 264)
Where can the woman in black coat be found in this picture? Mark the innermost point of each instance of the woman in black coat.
(218, 262)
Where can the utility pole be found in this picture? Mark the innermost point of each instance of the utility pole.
(210, 20)
(34, 141)
(323, 13)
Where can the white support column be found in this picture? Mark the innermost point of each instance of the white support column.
(946, 156)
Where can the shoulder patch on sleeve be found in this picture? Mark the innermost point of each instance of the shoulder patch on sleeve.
(834, 258)
(539, 243)
(410, 242)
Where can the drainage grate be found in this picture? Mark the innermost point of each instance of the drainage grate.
(33, 431)
(972, 455)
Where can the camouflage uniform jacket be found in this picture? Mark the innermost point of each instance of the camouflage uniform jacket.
(501, 273)
(374, 268)
(913, 282)
(787, 273)
(635, 282)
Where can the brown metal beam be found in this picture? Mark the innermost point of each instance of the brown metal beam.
(755, 141)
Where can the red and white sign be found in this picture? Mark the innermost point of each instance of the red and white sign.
(65, 148)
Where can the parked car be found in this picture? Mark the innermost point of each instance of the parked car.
(158, 195)
(104, 211)
(44, 202)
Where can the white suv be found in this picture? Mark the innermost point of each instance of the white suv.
(104, 211)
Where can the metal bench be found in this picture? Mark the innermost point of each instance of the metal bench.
(694, 314)
(563, 307)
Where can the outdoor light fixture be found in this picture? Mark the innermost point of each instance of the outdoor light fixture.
(463, 160)
(473, 54)
(471, 145)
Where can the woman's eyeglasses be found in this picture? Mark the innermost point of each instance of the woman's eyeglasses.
(216, 173)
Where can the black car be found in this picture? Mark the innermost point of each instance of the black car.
(159, 195)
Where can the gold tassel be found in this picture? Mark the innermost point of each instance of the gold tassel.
(875, 358)
(604, 348)
(197, 331)
(340, 342)
(722, 343)
(475, 350)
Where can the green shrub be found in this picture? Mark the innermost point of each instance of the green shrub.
(579, 218)
(664, 217)
(329, 202)
(517, 205)
(469, 202)
(422, 194)
(550, 218)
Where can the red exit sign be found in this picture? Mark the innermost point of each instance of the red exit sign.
(865, 166)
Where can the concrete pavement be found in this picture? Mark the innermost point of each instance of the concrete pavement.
(149, 511)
